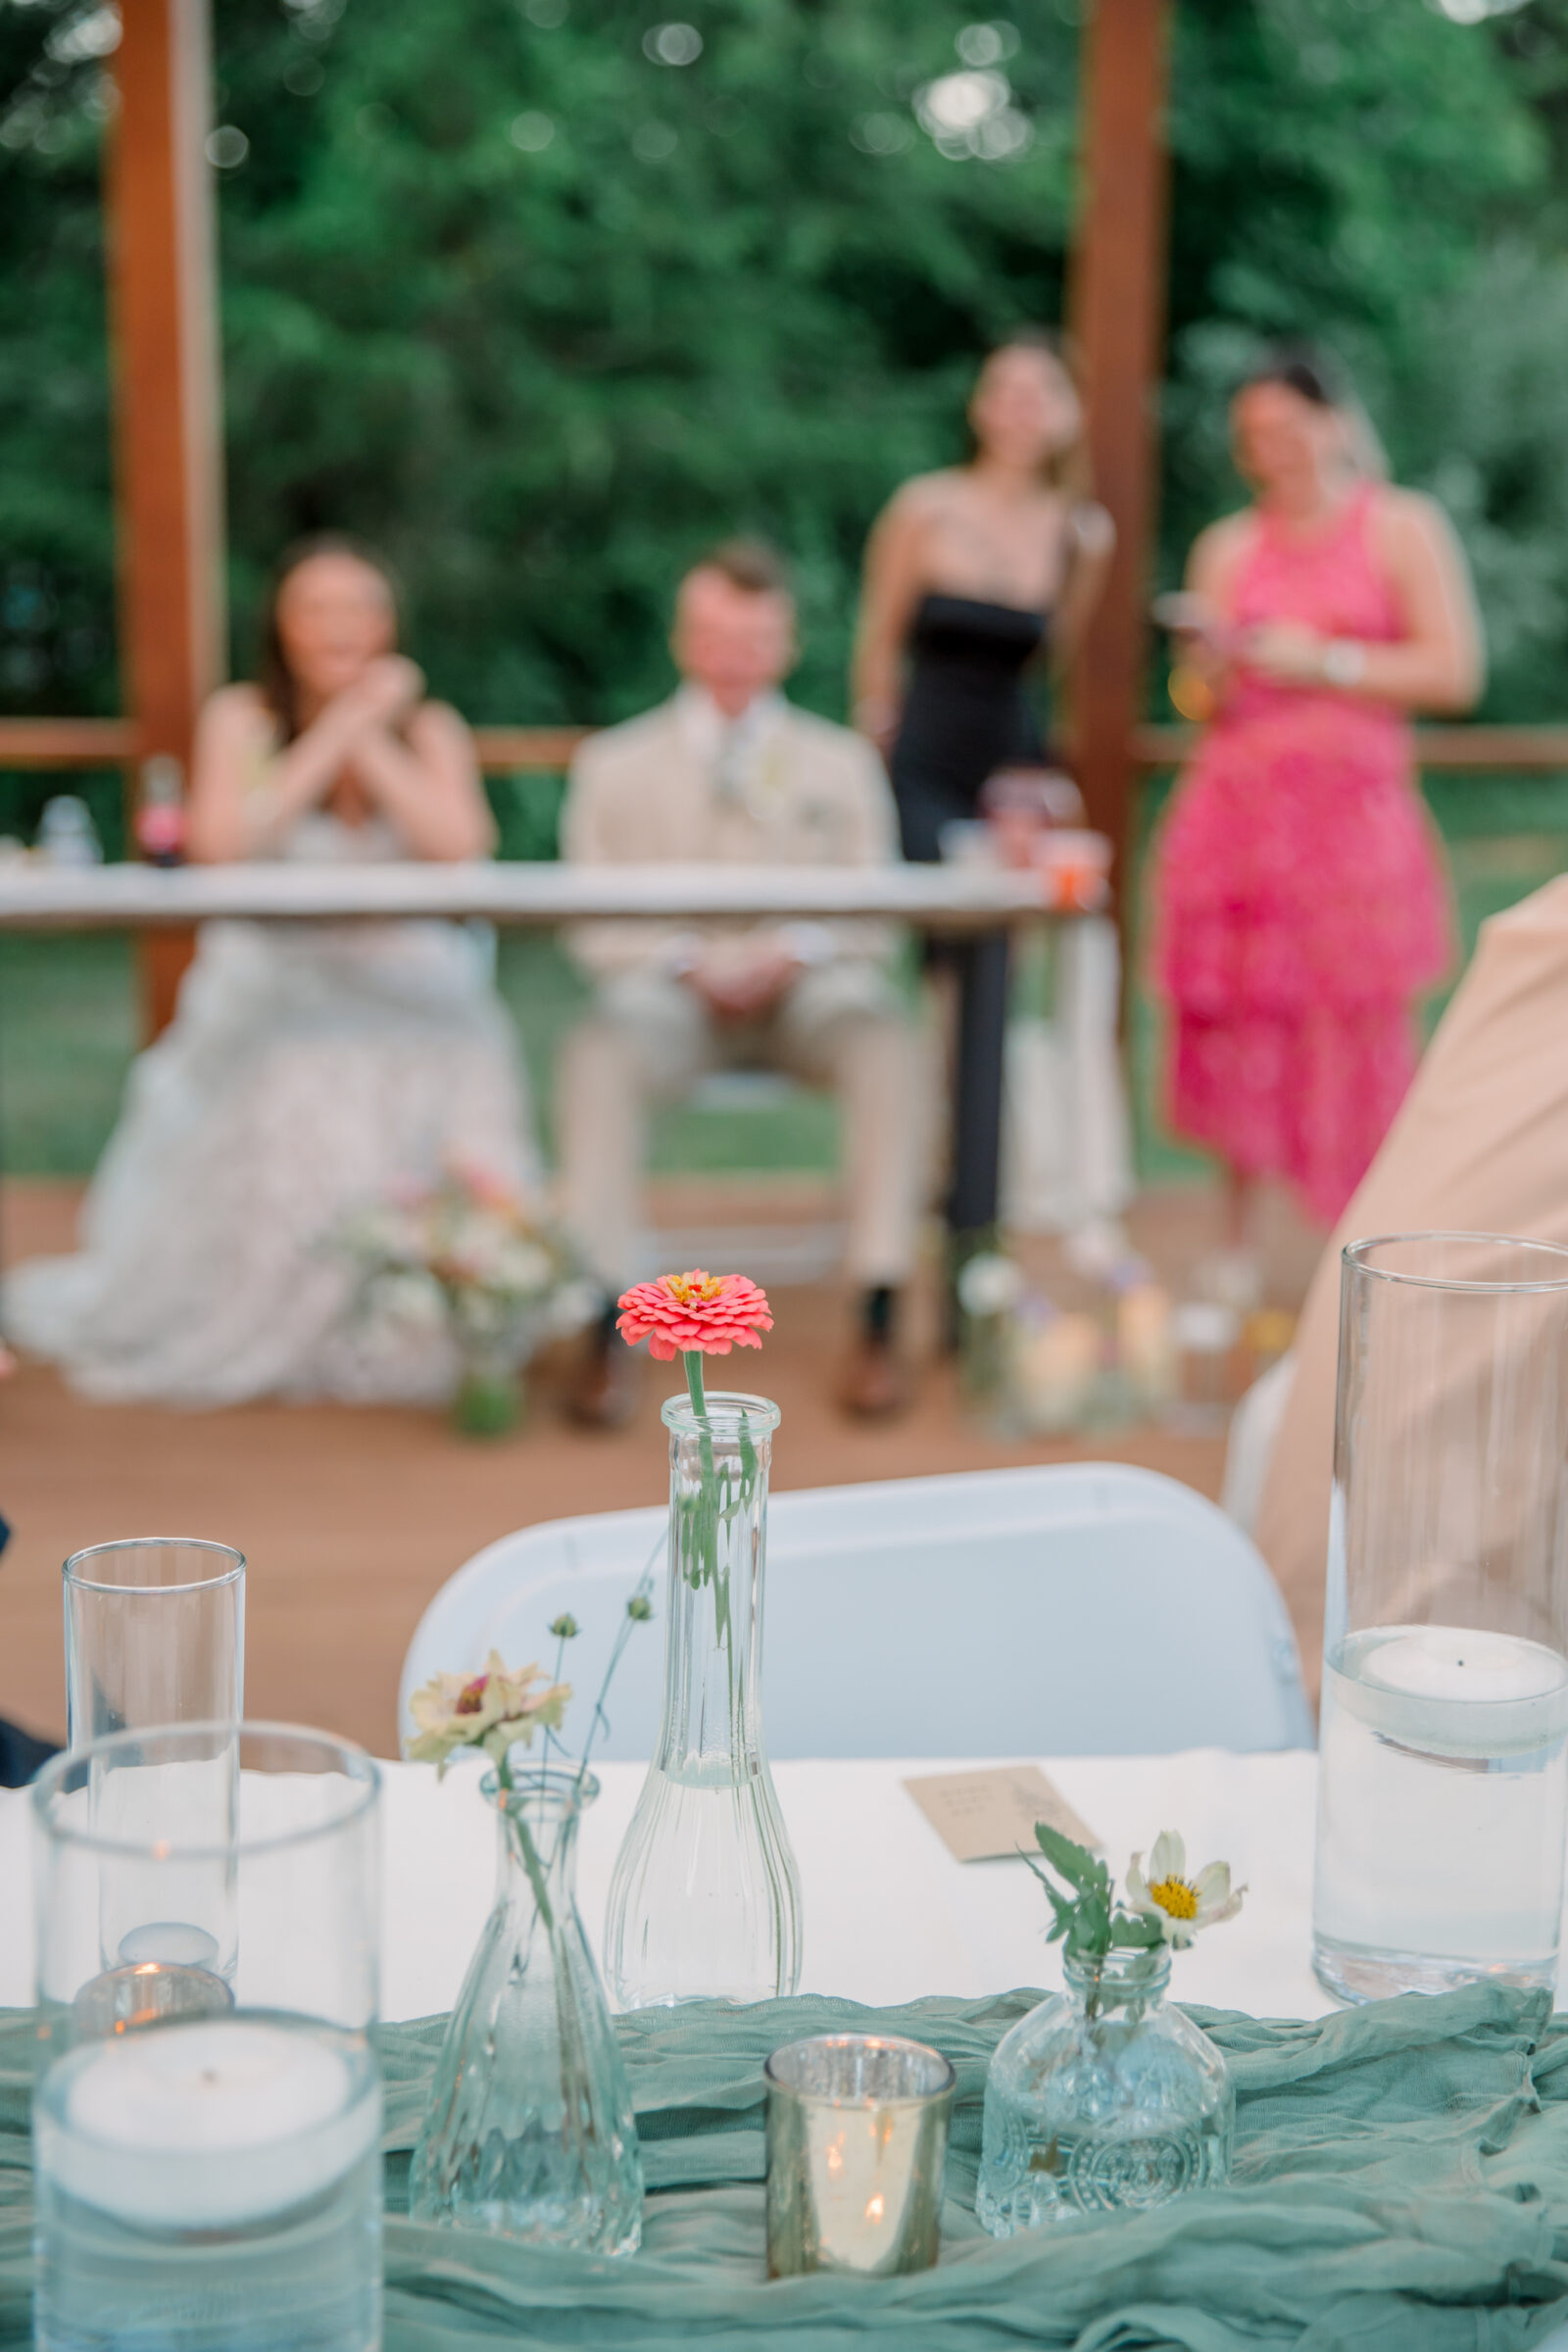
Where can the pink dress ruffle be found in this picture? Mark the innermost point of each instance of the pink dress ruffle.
(1301, 898)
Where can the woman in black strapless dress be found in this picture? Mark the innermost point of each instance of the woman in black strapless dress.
(968, 574)
(966, 711)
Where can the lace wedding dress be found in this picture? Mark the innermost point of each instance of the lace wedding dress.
(308, 1071)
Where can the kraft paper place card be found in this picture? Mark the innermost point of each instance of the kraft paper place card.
(983, 1816)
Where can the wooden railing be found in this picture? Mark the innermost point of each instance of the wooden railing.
(1494, 750)
(88, 743)
(68, 742)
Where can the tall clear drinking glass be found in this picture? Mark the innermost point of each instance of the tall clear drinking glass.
(205, 2146)
(155, 1632)
(155, 1635)
(1442, 1793)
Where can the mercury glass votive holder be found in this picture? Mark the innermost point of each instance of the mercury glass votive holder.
(856, 2141)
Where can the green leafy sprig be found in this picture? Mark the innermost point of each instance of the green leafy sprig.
(1088, 1919)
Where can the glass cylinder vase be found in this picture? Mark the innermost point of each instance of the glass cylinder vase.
(705, 1901)
(1105, 2099)
(207, 2109)
(1443, 1785)
(529, 2131)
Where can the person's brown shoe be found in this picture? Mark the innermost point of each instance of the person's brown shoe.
(875, 1383)
(601, 1393)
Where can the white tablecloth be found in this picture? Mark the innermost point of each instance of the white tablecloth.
(889, 1915)
(965, 899)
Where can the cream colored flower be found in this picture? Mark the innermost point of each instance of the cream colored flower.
(1181, 1905)
(495, 1710)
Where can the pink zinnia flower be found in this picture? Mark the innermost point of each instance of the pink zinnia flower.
(696, 1313)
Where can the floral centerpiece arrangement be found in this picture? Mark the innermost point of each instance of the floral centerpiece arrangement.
(468, 1254)
(704, 1899)
(530, 2130)
(1105, 2099)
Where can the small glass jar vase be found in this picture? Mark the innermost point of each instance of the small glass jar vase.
(530, 2130)
(705, 1901)
(1105, 2099)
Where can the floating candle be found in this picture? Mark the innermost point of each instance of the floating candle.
(208, 2124)
(1457, 1662)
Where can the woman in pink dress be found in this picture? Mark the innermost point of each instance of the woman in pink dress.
(1301, 905)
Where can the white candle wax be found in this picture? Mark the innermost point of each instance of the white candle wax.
(1456, 1663)
(862, 2166)
(207, 2125)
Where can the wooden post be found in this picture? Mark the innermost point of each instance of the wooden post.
(169, 466)
(1117, 311)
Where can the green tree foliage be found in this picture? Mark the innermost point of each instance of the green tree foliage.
(56, 615)
(547, 311)
(1394, 184)
(542, 297)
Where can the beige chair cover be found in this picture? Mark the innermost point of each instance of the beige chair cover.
(1480, 1145)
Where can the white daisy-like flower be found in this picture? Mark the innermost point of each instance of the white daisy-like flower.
(496, 1710)
(990, 1284)
(1181, 1905)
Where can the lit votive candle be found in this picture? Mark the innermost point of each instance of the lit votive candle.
(856, 2141)
(207, 2125)
(147, 1995)
(1058, 1365)
(175, 1943)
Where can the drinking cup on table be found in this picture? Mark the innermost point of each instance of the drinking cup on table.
(1204, 1338)
(966, 841)
(1443, 1789)
(155, 1633)
(205, 2152)
(155, 1636)
(856, 2142)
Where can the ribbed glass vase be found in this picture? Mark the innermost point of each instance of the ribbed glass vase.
(705, 1901)
(529, 2131)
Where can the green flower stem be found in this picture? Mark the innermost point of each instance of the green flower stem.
(530, 1854)
(535, 1870)
(706, 1532)
(642, 1591)
(544, 1753)
(700, 1530)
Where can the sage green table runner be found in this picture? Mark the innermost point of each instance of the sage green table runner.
(1401, 2186)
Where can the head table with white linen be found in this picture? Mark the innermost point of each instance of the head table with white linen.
(1433, 2255)
(890, 1915)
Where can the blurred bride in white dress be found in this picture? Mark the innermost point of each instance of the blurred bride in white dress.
(309, 1068)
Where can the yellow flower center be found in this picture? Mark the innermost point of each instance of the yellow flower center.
(1175, 1897)
(470, 1699)
(692, 1290)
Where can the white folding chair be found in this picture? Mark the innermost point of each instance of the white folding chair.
(1250, 1444)
(1076, 1609)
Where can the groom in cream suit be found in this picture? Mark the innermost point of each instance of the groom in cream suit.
(729, 773)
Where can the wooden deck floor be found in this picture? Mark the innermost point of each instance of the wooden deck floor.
(350, 1519)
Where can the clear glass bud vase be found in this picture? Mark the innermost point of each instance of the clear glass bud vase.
(705, 1901)
(530, 2130)
(1105, 2099)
